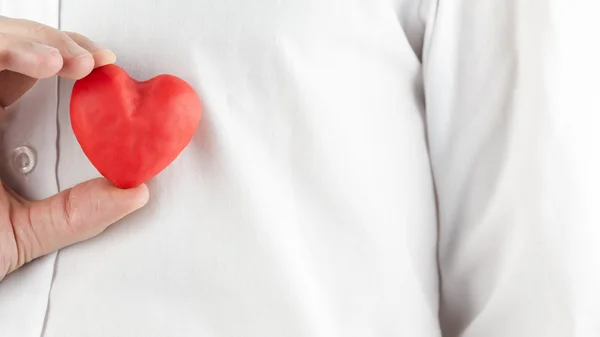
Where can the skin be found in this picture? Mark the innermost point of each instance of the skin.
(30, 229)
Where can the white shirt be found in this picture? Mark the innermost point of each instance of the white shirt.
(305, 205)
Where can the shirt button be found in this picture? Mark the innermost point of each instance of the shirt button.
(23, 159)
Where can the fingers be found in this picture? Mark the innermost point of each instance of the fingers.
(31, 51)
(25, 46)
(77, 61)
(29, 58)
(102, 56)
(72, 216)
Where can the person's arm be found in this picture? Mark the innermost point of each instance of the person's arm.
(501, 169)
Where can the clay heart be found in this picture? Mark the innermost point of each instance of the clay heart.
(132, 130)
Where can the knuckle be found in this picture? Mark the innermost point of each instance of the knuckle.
(23, 251)
(51, 35)
(80, 210)
(24, 237)
(8, 243)
(8, 251)
(19, 249)
(6, 263)
(42, 30)
(69, 212)
(76, 37)
(71, 34)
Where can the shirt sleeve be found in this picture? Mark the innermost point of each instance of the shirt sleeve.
(509, 131)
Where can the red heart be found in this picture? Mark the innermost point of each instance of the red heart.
(130, 130)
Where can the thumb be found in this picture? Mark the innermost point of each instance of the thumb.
(72, 216)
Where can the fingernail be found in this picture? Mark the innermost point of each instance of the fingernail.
(76, 51)
(43, 49)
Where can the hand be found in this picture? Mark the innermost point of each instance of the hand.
(30, 51)
(29, 229)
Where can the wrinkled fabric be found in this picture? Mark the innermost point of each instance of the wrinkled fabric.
(363, 168)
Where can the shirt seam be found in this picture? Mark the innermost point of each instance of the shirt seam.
(57, 151)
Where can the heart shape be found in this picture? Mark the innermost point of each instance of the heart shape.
(132, 130)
